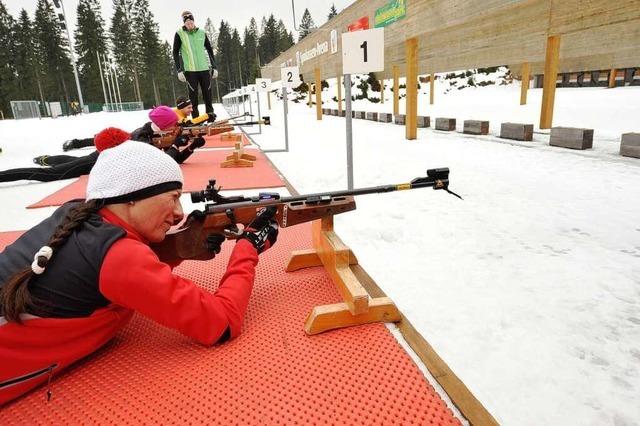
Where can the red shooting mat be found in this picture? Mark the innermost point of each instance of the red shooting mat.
(273, 373)
(197, 170)
(216, 141)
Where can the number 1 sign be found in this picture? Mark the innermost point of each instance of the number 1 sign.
(290, 77)
(363, 51)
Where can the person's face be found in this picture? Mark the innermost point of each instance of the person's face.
(153, 216)
(188, 109)
(189, 24)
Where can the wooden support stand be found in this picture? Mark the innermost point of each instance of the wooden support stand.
(524, 86)
(358, 307)
(552, 57)
(238, 158)
(318, 95)
(396, 89)
(411, 50)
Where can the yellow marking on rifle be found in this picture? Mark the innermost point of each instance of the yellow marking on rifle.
(403, 186)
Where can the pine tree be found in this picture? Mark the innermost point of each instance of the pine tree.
(224, 59)
(7, 70)
(332, 12)
(285, 38)
(124, 49)
(306, 26)
(53, 50)
(269, 40)
(90, 39)
(148, 51)
(237, 55)
(250, 45)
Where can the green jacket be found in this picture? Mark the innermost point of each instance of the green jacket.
(190, 49)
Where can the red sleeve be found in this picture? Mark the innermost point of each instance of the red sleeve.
(132, 276)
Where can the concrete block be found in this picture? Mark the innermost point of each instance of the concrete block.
(326, 111)
(400, 119)
(476, 127)
(517, 131)
(385, 117)
(425, 121)
(571, 137)
(446, 124)
(373, 116)
(343, 113)
(359, 114)
(334, 112)
(630, 145)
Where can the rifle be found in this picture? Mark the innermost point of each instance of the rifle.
(166, 139)
(223, 215)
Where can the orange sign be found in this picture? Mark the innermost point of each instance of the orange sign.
(360, 24)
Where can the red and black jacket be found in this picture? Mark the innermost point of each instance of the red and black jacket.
(129, 277)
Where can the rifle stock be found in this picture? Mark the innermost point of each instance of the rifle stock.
(189, 240)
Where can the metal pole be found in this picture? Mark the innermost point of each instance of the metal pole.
(113, 85)
(73, 60)
(115, 75)
(259, 117)
(110, 104)
(286, 123)
(104, 92)
(347, 95)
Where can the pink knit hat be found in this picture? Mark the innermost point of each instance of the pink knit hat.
(163, 117)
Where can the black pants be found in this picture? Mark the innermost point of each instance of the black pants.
(81, 143)
(77, 167)
(57, 160)
(202, 78)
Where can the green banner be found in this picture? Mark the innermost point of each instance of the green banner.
(390, 13)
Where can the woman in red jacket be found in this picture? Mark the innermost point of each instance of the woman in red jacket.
(70, 283)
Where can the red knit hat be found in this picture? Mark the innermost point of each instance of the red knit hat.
(110, 137)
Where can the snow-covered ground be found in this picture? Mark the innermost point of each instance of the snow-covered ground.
(529, 288)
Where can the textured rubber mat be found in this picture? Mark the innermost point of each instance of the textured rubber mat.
(216, 141)
(271, 374)
(198, 169)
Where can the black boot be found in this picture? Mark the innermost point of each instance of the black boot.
(41, 160)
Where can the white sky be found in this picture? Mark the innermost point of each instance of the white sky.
(167, 13)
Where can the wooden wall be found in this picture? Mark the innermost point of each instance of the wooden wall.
(463, 34)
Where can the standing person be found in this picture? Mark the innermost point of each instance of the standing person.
(190, 49)
(93, 267)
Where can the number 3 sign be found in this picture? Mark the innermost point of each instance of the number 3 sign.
(363, 51)
(263, 84)
(290, 77)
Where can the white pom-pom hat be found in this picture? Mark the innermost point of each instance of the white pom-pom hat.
(132, 171)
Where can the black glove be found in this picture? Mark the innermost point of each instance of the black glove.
(181, 140)
(197, 142)
(262, 232)
(214, 241)
(212, 117)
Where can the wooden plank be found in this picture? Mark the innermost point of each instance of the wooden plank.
(549, 86)
(432, 88)
(318, 95)
(339, 95)
(411, 48)
(396, 90)
(524, 85)
(269, 100)
(381, 91)
(330, 317)
(336, 259)
(612, 78)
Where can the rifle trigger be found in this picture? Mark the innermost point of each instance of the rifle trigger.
(231, 216)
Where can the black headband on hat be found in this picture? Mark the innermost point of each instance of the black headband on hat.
(143, 193)
(183, 104)
(187, 17)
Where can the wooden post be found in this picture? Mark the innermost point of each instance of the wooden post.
(524, 86)
(381, 91)
(269, 100)
(612, 78)
(339, 95)
(411, 48)
(396, 90)
(309, 100)
(318, 95)
(551, 60)
(432, 87)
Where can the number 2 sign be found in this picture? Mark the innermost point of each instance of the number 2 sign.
(290, 77)
(363, 51)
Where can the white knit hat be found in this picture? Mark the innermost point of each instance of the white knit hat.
(132, 171)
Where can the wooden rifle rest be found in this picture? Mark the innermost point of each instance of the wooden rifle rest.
(358, 307)
(238, 158)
